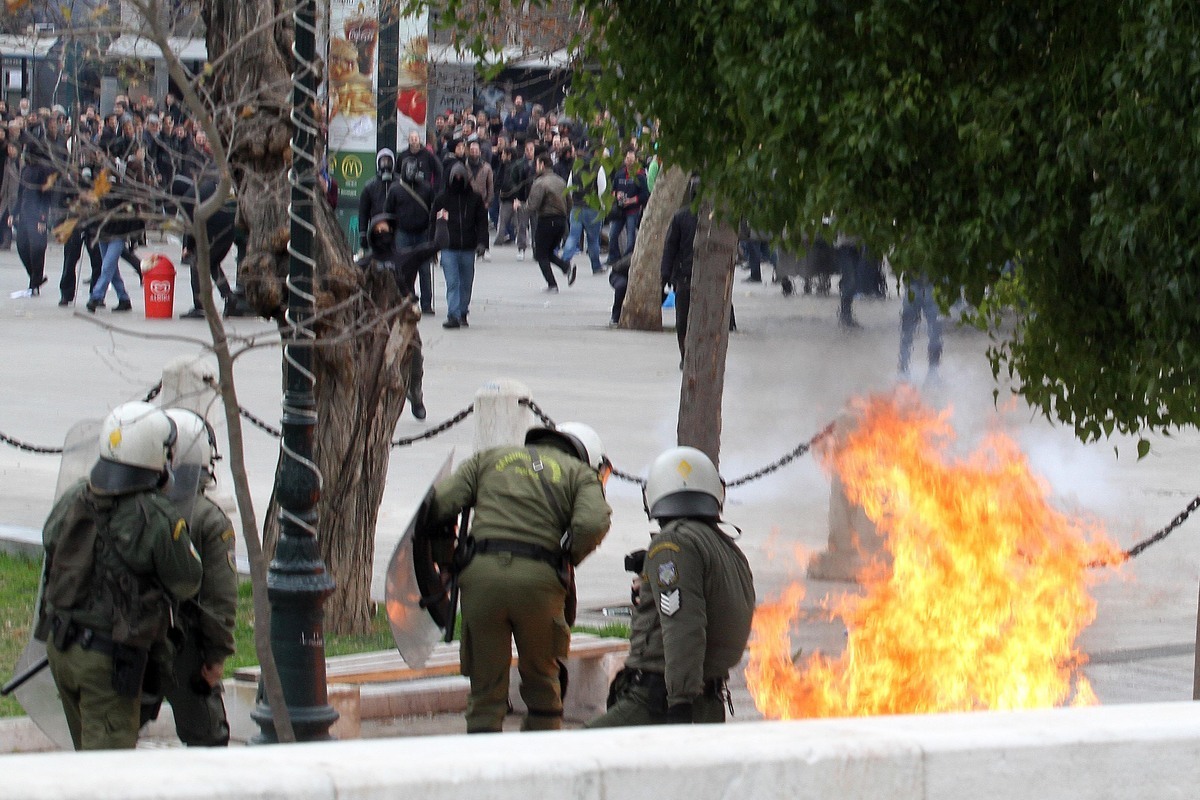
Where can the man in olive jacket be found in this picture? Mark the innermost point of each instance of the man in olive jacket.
(118, 560)
(513, 585)
(693, 604)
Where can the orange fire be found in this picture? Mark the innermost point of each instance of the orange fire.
(984, 596)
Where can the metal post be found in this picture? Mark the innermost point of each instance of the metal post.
(389, 77)
(297, 582)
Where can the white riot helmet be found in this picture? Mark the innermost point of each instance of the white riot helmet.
(579, 440)
(195, 455)
(135, 449)
(683, 483)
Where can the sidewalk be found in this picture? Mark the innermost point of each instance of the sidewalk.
(790, 371)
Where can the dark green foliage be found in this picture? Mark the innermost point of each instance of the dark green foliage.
(960, 136)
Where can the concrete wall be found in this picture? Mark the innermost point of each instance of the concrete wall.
(1128, 752)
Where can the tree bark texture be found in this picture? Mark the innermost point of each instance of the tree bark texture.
(707, 335)
(642, 309)
(362, 350)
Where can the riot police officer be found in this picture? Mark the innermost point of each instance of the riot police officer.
(207, 620)
(692, 614)
(118, 558)
(539, 511)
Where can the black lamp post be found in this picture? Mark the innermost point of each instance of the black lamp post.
(297, 582)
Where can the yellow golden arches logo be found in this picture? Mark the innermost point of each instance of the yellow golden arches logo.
(114, 439)
(352, 167)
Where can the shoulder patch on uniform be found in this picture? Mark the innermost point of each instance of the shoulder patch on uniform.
(668, 602)
(180, 529)
(667, 574)
(658, 548)
(227, 535)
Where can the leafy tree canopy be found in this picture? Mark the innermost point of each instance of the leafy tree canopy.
(958, 136)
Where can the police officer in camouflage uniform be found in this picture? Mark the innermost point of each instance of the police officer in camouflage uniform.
(539, 510)
(207, 620)
(118, 558)
(693, 608)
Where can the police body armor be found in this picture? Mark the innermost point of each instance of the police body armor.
(64, 586)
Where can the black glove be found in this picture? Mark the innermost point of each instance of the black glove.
(679, 714)
(479, 251)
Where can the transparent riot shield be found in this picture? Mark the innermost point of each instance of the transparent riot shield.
(37, 694)
(81, 449)
(413, 627)
(191, 459)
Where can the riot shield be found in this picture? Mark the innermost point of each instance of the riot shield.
(37, 694)
(81, 450)
(191, 459)
(416, 591)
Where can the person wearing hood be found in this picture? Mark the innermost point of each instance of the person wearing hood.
(383, 256)
(373, 199)
(466, 221)
(409, 200)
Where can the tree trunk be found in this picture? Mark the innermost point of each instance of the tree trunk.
(642, 309)
(707, 335)
(360, 356)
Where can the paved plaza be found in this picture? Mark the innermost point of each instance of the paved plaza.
(791, 370)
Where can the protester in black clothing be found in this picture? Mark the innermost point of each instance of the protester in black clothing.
(383, 257)
(374, 195)
(83, 235)
(35, 196)
(676, 268)
(409, 201)
(220, 234)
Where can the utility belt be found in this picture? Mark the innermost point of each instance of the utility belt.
(655, 683)
(521, 550)
(128, 663)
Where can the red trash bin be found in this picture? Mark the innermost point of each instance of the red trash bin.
(158, 286)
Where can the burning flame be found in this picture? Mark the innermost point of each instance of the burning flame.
(984, 597)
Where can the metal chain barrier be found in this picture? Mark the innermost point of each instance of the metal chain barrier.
(783, 462)
(546, 420)
(434, 431)
(537, 412)
(1154, 538)
(30, 448)
(261, 424)
(57, 451)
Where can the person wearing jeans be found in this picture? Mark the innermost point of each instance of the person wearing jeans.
(121, 220)
(459, 268)
(584, 220)
(110, 253)
(466, 220)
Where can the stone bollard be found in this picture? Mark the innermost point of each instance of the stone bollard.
(854, 542)
(500, 419)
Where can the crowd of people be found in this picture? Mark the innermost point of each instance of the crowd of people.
(152, 159)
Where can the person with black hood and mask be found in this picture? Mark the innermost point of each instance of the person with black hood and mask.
(384, 258)
(466, 217)
(373, 199)
(409, 200)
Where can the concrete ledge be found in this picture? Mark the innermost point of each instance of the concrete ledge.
(1133, 752)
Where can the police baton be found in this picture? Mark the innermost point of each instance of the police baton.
(18, 681)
